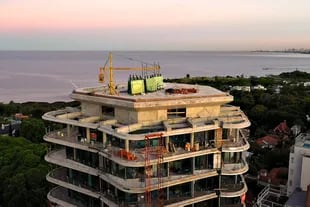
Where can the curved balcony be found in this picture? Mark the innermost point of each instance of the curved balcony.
(183, 201)
(138, 185)
(73, 116)
(168, 127)
(59, 195)
(61, 137)
(235, 168)
(232, 117)
(59, 177)
(234, 190)
(172, 202)
(139, 155)
(58, 157)
(235, 146)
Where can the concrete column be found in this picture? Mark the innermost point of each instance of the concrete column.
(104, 139)
(88, 135)
(193, 188)
(168, 193)
(168, 170)
(68, 130)
(193, 165)
(74, 154)
(127, 145)
(237, 134)
(218, 137)
(167, 140)
(100, 162)
(238, 156)
(192, 140)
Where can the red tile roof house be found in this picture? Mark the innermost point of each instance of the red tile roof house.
(276, 176)
(282, 129)
(280, 133)
(268, 141)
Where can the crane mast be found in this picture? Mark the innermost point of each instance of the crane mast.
(111, 83)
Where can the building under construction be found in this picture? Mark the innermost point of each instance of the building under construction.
(178, 145)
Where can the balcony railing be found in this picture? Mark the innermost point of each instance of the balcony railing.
(233, 189)
(234, 145)
(138, 185)
(58, 157)
(235, 168)
(61, 137)
(59, 195)
(59, 177)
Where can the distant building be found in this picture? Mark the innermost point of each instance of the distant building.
(21, 116)
(259, 87)
(306, 84)
(241, 88)
(277, 88)
(11, 129)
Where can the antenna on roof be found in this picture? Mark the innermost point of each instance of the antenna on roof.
(74, 85)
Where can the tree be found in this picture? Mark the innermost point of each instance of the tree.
(22, 173)
(33, 130)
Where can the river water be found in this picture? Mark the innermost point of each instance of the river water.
(52, 75)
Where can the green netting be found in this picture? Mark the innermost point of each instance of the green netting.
(137, 87)
(159, 82)
(151, 84)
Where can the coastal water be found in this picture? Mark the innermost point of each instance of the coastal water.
(52, 75)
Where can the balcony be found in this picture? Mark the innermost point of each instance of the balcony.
(61, 137)
(233, 117)
(188, 200)
(233, 188)
(173, 201)
(59, 177)
(168, 127)
(58, 157)
(74, 116)
(233, 145)
(139, 155)
(235, 168)
(138, 185)
(59, 195)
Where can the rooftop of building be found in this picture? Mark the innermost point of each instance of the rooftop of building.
(282, 128)
(303, 140)
(297, 199)
(170, 91)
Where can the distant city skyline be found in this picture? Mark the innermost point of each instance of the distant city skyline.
(154, 25)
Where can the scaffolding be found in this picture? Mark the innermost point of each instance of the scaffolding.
(159, 151)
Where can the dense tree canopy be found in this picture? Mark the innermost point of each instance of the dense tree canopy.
(34, 109)
(22, 173)
(33, 130)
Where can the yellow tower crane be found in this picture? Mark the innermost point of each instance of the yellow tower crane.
(111, 83)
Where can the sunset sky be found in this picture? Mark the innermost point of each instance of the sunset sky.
(154, 25)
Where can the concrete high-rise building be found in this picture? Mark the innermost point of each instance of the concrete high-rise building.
(299, 166)
(181, 145)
